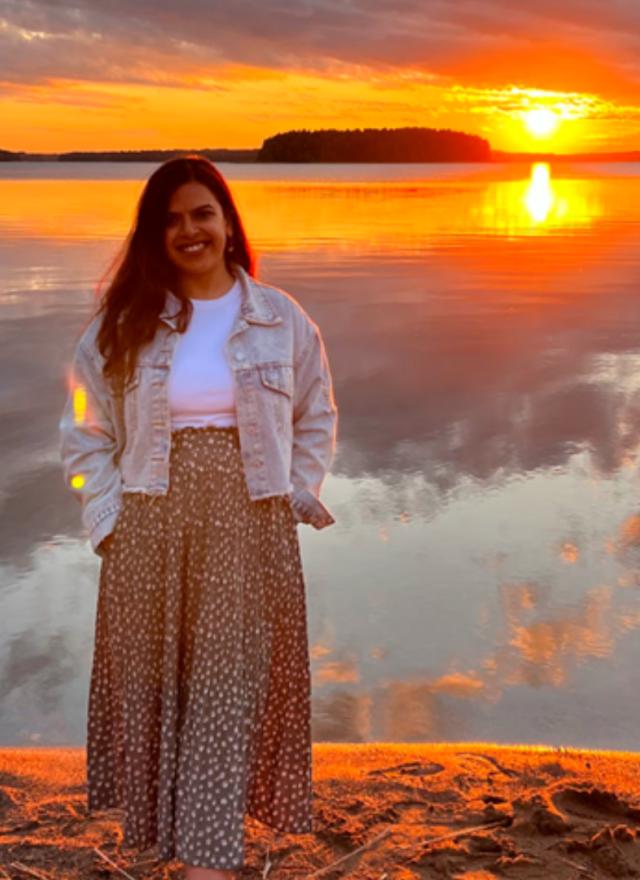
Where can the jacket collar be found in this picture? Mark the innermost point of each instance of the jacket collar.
(255, 308)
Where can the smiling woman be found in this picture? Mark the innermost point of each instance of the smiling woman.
(201, 434)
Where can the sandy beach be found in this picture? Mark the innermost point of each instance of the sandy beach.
(381, 812)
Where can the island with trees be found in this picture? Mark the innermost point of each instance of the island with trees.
(375, 145)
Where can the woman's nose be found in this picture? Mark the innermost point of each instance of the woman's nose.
(187, 226)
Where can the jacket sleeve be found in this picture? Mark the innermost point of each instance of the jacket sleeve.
(89, 447)
(315, 415)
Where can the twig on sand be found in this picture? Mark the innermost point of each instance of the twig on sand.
(506, 770)
(267, 865)
(143, 862)
(462, 832)
(355, 852)
(113, 864)
(31, 871)
(583, 870)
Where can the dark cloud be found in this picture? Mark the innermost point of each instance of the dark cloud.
(157, 41)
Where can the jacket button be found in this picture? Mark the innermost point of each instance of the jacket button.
(239, 356)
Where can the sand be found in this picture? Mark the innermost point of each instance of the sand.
(381, 812)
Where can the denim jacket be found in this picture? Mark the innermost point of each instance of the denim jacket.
(286, 413)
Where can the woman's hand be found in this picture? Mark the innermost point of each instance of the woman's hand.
(104, 545)
(310, 510)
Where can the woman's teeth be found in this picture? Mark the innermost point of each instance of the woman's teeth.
(193, 248)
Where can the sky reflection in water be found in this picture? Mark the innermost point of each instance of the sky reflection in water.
(482, 580)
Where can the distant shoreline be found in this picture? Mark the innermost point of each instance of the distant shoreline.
(128, 155)
(250, 157)
(414, 145)
(372, 146)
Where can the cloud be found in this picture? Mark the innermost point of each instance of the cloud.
(33, 56)
(484, 41)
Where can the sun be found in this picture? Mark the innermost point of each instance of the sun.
(541, 122)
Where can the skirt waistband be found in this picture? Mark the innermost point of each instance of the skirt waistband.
(232, 429)
(204, 437)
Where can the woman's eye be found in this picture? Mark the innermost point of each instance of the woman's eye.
(173, 220)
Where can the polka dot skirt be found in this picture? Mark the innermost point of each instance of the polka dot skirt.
(199, 703)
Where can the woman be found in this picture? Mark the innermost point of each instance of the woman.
(198, 430)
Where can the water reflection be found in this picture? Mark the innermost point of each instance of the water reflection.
(542, 205)
(482, 581)
(393, 216)
(47, 625)
(540, 198)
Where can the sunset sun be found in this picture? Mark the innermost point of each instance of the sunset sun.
(541, 122)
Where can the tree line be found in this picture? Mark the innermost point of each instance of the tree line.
(375, 145)
(216, 155)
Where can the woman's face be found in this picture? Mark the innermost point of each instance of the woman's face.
(196, 231)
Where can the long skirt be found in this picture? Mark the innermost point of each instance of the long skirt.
(199, 702)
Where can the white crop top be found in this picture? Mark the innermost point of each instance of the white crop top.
(200, 380)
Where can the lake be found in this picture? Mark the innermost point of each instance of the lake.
(482, 581)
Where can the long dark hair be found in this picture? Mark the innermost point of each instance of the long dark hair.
(133, 300)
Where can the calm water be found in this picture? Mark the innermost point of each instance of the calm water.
(483, 579)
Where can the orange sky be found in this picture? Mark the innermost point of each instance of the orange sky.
(205, 74)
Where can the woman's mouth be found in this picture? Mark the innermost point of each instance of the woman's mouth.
(193, 248)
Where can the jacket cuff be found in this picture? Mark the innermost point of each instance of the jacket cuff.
(103, 527)
(307, 507)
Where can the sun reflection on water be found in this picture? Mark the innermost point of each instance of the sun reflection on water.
(539, 197)
(375, 214)
(539, 204)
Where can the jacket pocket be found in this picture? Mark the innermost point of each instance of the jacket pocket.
(275, 401)
(277, 377)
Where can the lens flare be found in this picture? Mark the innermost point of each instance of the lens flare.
(80, 404)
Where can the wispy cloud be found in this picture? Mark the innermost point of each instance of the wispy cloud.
(156, 41)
